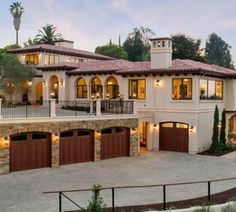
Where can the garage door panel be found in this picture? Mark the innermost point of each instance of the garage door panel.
(174, 137)
(114, 143)
(76, 146)
(29, 153)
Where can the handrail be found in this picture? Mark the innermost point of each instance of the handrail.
(143, 186)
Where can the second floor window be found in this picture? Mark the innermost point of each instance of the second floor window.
(137, 89)
(51, 59)
(211, 89)
(32, 59)
(182, 89)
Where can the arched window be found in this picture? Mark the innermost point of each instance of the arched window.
(54, 87)
(112, 88)
(82, 91)
(96, 88)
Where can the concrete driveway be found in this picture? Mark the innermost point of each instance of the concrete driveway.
(23, 191)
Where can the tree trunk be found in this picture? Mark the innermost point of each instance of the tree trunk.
(16, 23)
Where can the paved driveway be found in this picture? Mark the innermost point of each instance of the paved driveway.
(22, 191)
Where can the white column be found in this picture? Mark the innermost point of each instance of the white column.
(0, 108)
(91, 107)
(98, 107)
(52, 103)
(135, 107)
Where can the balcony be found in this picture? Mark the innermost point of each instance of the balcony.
(57, 109)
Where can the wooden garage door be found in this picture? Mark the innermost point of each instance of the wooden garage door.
(76, 146)
(30, 151)
(114, 142)
(174, 137)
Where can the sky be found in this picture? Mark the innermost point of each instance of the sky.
(90, 23)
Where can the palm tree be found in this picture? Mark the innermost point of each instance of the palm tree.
(16, 10)
(48, 35)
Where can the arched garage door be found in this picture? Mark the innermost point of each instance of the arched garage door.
(76, 146)
(174, 137)
(114, 142)
(30, 151)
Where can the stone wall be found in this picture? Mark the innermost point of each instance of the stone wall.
(55, 127)
(4, 160)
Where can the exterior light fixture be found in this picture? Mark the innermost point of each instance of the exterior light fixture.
(92, 97)
(157, 83)
(155, 126)
(29, 83)
(7, 140)
(97, 95)
(107, 95)
(191, 128)
(61, 81)
(43, 83)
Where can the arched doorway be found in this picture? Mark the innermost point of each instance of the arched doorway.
(96, 89)
(54, 87)
(81, 89)
(39, 92)
(174, 136)
(112, 88)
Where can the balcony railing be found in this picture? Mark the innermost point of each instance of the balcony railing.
(58, 108)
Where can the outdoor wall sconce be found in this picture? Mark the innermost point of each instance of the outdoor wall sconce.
(29, 83)
(92, 97)
(134, 130)
(107, 95)
(191, 128)
(43, 83)
(157, 83)
(97, 95)
(7, 140)
(154, 126)
(61, 81)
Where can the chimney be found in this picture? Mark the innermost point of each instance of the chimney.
(65, 43)
(161, 53)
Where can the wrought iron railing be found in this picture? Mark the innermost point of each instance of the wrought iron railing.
(75, 108)
(20, 109)
(113, 189)
(117, 106)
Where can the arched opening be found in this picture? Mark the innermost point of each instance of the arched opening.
(81, 89)
(54, 87)
(39, 92)
(96, 88)
(112, 88)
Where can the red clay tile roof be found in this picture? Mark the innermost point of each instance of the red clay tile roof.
(123, 67)
(60, 50)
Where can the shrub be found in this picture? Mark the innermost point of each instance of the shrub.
(97, 203)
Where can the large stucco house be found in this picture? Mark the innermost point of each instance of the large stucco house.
(162, 104)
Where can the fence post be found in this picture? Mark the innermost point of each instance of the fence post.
(135, 107)
(0, 108)
(52, 107)
(26, 109)
(98, 107)
(209, 191)
(164, 197)
(113, 199)
(60, 202)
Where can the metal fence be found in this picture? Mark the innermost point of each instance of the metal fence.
(75, 108)
(20, 109)
(117, 106)
(113, 190)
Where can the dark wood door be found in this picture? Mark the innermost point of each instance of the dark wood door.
(30, 151)
(76, 146)
(114, 143)
(174, 137)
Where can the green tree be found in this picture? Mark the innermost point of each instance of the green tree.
(16, 10)
(31, 42)
(218, 51)
(185, 47)
(48, 35)
(13, 73)
(112, 50)
(137, 44)
(215, 145)
(223, 128)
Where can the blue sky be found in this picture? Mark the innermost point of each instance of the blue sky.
(93, 22)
